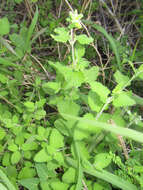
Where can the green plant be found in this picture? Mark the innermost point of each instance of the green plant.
(65, 128)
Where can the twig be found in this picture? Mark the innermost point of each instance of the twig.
(47, 74)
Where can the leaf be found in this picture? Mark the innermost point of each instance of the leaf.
(29, 146)
(59, 157)
(104, 175)
(6, 181)
(39, 114)
(42, 171)
(62, 35)
(82, 130)
(74, 79)
(15, 157)
(51, 87)
(79, 51)
(30, 106)
(123, 99)
(140, 71)
(26, 173)
(17, 40)
(69, 176)
(84, 39)
(55, 134)
(57, 185)
(2, 133)
(13, 147)
(133, 134)
(2, 187)
(101, 90)
(94, 101)
(68, 107)
(60, 125)
(30, 184)
(4, 26)
(7, 63)
(42, 156)
(102, 160)
(120, 78)
(31, 30)
(3, 79)
(6, 159)
(91, 74)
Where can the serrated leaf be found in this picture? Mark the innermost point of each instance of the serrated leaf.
(58, 156)
(51, 87)
(3, 79)
(62, 35)
(59, 142)
(101, 90)
(6, 159)
(42, 171)
(68, 107)
(15, 157)
(29, 146)
(79, 51)
(13, 147)
(30, 106)
(69, 176)
(84, 39)
(102, 160)
(94, 101)
(2, 133)
(120, 78)
(39, 114)
(4, 26)
(30, 184)
(42, 156)
(123, 100)
(74, 79)
(91, 74)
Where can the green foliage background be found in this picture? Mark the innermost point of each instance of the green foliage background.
(71, 95)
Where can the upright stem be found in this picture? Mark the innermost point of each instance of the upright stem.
(72, 47)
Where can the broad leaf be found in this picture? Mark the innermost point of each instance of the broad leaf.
(69, 175)
(120, 78)
(94, 101)
(15, 157)
(84, 39)
(91, 74)
(42, 156)
(102, 160)
(68, 107)
(59, 142)
(123, 99)
(101, 90)
(62, 35)
(30, 184)
(4, 26)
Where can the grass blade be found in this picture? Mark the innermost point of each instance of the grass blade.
(130, 133)
(104, 175)
(31, 29)
(6, 181)
(79, 168)
(7, 63)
